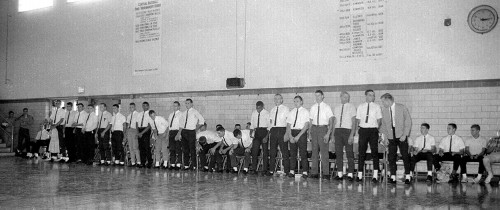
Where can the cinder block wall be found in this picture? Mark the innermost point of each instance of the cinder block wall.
(39, 111)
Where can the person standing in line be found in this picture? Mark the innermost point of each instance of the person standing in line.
(144, 135)
(259, 134)
(345, 122)
(89, 130)
(175, 146)
(103, 134)
(133, 142)
(160, 134)
(190, 122)
(277, 118)
(25, 122)
(57, 117)
(118, 122)
(79, 132)
(296, 133)
(321, 117)
(69, 142)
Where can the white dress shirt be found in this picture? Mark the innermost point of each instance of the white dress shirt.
(297, 120)
(259, 120)
(456, 144)
(90, 123)
(193, 119)
(373, 116)
(344, 113)
(173, 120)
(70, 118)
(280, 116)
(160, 124)
(132, 119)
(57, 114)
(104, 118)
(117, 122)
(475, 145)
(80, 118)
(229, 139)
(325, 113)
(245, 140)
(144, 119)
(211, 136)
(42, 135)
(429, 142)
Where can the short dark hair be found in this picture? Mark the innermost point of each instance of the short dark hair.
(299, 97)
(145, 102)
(132, 103)
(217, 126)
(387, 96)
(237, 125)
(151, 112)
(369, 90)
(220, 128)
(25, 109)
(249, 123)
(116, 105)
(236, 132)
(320, 92)
(104, 105)
(176, 102)
(202, 140)
(426, 125)
(79, 104)
(189, 100)
(476, 126)
(453, 125)
(90, 105)
(259, 103)
(11, 112)
(69, 103)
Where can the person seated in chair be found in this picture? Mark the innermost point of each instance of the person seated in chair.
(492, 155)
(243, 148)
(207, 140)
(423, 148)
(475, 145)
(225, 147)
(451, 148)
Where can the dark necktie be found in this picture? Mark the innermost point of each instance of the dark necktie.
(154, 121)
(368, 113)
(296, 115)
(424, 143)
(241, 140)
(341, 115)
(258, 120)
(100, 121)
(69, 112)
(131, 116)
(317, 121)
(187, 115)
(143, 113)
(172, 120)
(78, 118)
(87, 120)
(55, 116)
(451, 141)
(276, 116)
(224, 140)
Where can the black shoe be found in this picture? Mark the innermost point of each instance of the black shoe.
(374, 180)
(140, 166)
(149, 165)
(205, 169)
(326, 177)
(220, 171)
(392, 181)
(254, 172)
(268, 173)
(453, 178)
(304, 176)
(359, 179)
(429, 178)
(314, 176)
(245, 172)
(351, 179)
(339, 178)
(291, 175)
(408, 181)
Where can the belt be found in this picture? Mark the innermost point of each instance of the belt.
(277, 127)
(369, 128)
(320, 125)
(296, 129)
(174, 130)
(89, 131)
(261, 128)
(117, 131)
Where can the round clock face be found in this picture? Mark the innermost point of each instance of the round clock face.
(483, 19)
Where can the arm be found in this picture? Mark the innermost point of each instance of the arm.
(106, 130)
(326, 138)
(467, 151)
(213, 149)
(304, 130)
(353, 131)
(407, 127)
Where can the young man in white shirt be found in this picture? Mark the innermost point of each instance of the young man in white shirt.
(68, 143)
(160, 133)
(423, 148)
(492, 155)
(296, 134)
(450, 148)
(207, 140)
(175, 146)
(57, 116)
(226, 147)
(475, 146)
(89, 130)
(321, 118)
(144, 124)
(118, 122)
(242, 149)
(103, 134)
(132, 140)
(368, 119)
(345, 122)
(78, 123)
(277, 118)
(259, 133)
(190, 122)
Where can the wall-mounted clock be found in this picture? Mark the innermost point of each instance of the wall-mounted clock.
(482, 19)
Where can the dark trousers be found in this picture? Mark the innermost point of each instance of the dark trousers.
(62, 141)
(342, 141)
(368, 136)
(457, 159)
(240, 151)
(35, 146)
(465, 159)
(319, 147)
(117, 144)
(189, 147)
(80, 143)
(276, 138)
(145, 148)
(422, 156)
(393, 155)
(175, 147)
(23, 139)
(220, 160)
(70, 142)
(104, 147)
(259, 134)
(203, 155)
(88, 147)
(301, 148)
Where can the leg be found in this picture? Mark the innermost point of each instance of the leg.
(350, 155)
(256, 143)
(373, 140)
(285, 153)
(429, 157)
(165, 152)
(185, 148)
(147, 142)
(246, 162)
(339, 150)
(463, 164)
(363, 146)
(192, 148)
(315, 149)
(119, 149)
(457, 160)
(293, 154)
(173, 144)
(403, 148)
(302, 145)
(273, 147)
(157, 150)
(481, 165)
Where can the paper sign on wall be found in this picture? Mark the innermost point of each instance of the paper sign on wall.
(147, 37)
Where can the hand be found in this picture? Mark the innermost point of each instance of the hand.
(178, 137)
(102, 134)
(96, 136)
(231, 152)
(64, 134)
(198, 148)
(296, 139)
(403, 138)
(264, 140)
(248, 150)
(350, 141)
(424, 150)
(221, 151)
(211, 151)
(441, 154)
(74, 124)
(326, 138)
(83, 131)
(286, 138)
(139, 135)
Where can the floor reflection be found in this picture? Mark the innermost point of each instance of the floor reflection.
(28, 184)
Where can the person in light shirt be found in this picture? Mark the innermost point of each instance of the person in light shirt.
(190, 121)
(423, 148)
(225, 147)
(296, 134)
(492, 155)
(132, 140)
(321, 118)
(89, 130)
(259, 133)
(475, 146)
(368, 119)
(160, 133)
(450, 148)
(207, 140)
(118, 122)
(57, 117)
(144, 124)
(69, 140)
(78, 123)
(277, 118)
(345, 122)
(41, 140)
(103, 134)
(175, 145)
(242, 149)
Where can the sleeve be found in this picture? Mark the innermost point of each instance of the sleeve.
(329, 113)
(407, 117)
(461, 144)
(441, 144)
(38, 135)
(383, 128)
(352, 111)
(358, 113)
(289, 117)
(432, 141)
(378, 113)
(253, 121)
(311, 115)
(112, 120)
(201, 120)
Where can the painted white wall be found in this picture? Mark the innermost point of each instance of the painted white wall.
(290, 43)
